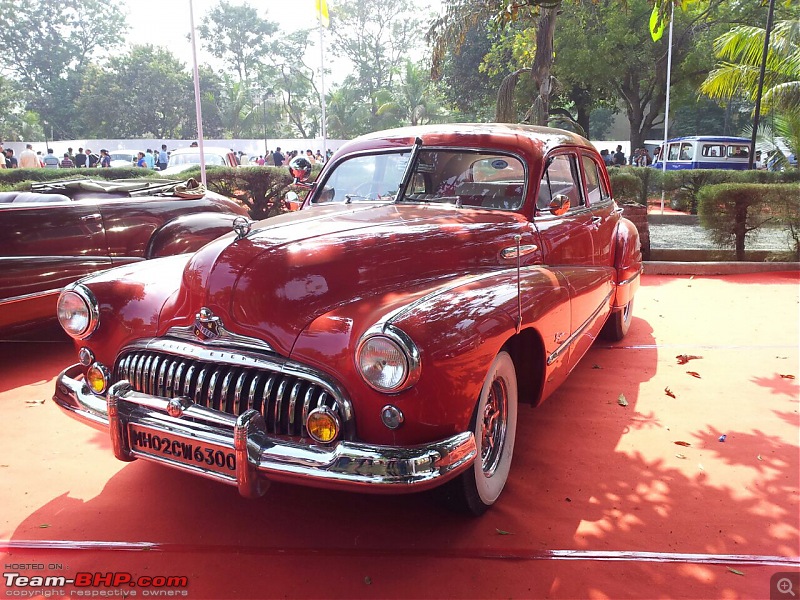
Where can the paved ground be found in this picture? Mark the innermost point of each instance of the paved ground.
(696, 237)
(602, 503)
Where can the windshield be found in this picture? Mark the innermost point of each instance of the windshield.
(461, 177)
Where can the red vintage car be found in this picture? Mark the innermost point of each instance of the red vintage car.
(380, 338)
(61, 231)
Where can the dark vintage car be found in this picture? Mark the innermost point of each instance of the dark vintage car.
(380, 338)
(61, 231)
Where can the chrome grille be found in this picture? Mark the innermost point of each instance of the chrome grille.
(284, 400)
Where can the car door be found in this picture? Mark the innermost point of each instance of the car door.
(567, 233)
(46, 242)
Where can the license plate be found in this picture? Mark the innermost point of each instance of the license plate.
(167, 447)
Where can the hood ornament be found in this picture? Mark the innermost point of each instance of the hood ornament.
(206, 325)
(242, 225)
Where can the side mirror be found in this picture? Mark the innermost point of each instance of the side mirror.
(559, 205)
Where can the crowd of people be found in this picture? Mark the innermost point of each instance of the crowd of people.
(28, 159)
(277, 158)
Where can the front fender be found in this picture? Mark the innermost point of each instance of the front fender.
(188, 233)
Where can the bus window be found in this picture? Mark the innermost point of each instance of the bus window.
(717, 150)
(738, 152)
(673, 151)
(686, 152)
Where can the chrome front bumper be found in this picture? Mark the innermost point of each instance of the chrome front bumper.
(253, 458)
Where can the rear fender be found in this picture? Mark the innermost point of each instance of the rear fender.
(627, 262)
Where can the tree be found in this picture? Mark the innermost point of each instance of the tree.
(47, 52)
(376, 37)
(145, 93)
(237, 35)
(471, 91)
(414, 101)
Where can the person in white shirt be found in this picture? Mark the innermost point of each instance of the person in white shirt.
(28, 158)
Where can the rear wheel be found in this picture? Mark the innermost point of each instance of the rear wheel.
(494, 424)
(618, 323)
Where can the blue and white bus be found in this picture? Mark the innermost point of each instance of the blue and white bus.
(705, 152)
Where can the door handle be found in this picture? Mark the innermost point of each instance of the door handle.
(91, 218)
(595, 223)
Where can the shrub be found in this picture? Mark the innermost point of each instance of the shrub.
(731, 211)
(650, 181)
(625, 186)
(21, 179)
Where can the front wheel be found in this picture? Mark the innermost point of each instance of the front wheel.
(618, 323)
(494, 424)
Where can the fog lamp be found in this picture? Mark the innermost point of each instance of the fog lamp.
(392, 416)
(322, 424)
(86, 357)
(98, 377)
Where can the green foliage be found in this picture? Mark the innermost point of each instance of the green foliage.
(236, 34)
(732, 211)
(261, 189)
(48, 48)
(650, 181)
(144, 93)
(625, 186)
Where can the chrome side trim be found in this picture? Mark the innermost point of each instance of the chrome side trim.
(260, 458)
(568, 342)
(225, 339)
(32, 296)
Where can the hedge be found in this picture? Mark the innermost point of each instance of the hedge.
(21, 179)
(731, 211)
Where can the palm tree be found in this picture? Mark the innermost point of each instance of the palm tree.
(741, 50)
(413, 102)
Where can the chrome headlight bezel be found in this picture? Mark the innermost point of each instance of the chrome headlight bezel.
(406, 347)
(89, 304)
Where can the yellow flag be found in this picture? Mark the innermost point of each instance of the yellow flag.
(322, 12)
(655, 31)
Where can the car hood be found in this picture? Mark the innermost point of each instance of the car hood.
(292, 269)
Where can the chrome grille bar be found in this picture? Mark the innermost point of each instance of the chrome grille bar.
(283, 399)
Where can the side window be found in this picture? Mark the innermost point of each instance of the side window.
(673, 151)
(561, 178)
(595, 185)
(738, 151)
(715, 150)
(686, 152)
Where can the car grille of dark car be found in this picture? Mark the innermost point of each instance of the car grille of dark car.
(284, 400)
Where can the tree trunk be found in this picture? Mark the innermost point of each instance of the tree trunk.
(543, 64)
(540, 71)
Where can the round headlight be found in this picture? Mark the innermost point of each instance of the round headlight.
(77, 312)
(382, 363)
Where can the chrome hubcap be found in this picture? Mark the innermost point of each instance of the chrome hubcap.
(493, 427)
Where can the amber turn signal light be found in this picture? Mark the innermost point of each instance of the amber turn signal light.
(97, 377)
(323, 425)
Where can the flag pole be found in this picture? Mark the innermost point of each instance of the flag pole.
(322, 7)
(663, 156)
(198, 110)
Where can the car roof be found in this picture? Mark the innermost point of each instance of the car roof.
(530, 140)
